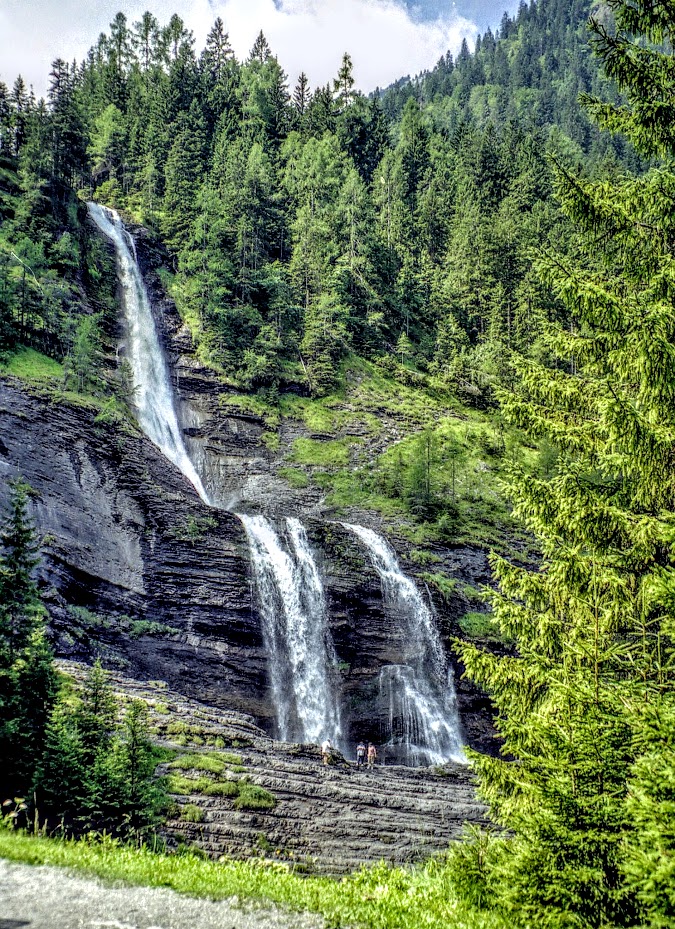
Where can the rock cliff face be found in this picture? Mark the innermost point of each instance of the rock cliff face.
(241, 472)
(138, 571)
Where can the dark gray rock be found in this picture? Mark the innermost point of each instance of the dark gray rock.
(161, 584)
(326, 819)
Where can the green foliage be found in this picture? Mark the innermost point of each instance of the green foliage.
(252, 797)
(186, 786)
(480, 626)
(325, 454)
(193, 528)
(585, 705)
(212, 762)
(373, 898)
(191, 813)
(97, 769)
(27, 676)
(31, 366)
(295, 477)
(222, 789)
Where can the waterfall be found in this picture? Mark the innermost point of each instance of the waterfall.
(295, 628)
(423, 723)
(152, 396)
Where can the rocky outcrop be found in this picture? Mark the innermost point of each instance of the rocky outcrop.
(139, 572)
(327, 820)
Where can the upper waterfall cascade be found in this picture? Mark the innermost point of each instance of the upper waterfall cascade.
(153, 396)
(424, 726)
(289, 586)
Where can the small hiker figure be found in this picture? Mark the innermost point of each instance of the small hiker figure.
(326, 749)
(372, 755)
(360, 754)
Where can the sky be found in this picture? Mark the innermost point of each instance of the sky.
(387, 39)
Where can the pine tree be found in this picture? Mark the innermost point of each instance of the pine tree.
(261, 51)
(343, 85)
(302, 94)
(594, 624)
(21, 612)
(27, 676)
(96, 715)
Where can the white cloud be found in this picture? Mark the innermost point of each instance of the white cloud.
(382, 37)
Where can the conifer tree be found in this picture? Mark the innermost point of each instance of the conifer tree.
(261, 51)
(585, 705)
(302, 95)
(27, 677)
(343, 85)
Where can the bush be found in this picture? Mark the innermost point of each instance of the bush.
(222, 789)
(187, 785)
(191, 813)
(470, 867)
(252, 797)
(211, 762)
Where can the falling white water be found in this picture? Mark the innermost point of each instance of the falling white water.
(424, 725)
(152, 397)
(295, 629)
(301, 655)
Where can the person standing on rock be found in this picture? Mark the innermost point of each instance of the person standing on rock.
(360, 754)
(372, 755)
(326, 750)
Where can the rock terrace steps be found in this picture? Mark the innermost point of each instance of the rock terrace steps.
(329, 820)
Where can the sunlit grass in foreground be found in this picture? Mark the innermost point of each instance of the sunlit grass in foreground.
(377, 897)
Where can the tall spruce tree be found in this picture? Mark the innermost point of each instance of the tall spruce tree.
(586, 705)
(27, 677)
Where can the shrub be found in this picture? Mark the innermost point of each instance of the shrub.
(191, 813)
(222, 789)
(252, 797)
(187, 785)
(211, 762)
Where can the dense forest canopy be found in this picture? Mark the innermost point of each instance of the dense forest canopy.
(304, 224)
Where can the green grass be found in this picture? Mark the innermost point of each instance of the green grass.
(252, 797)
(445, 585)
(211, 762)
(222, 789)
(191, 813)
(373, 898)
(186, 786)
(480, 626)
(333, 453)
(295, 477)
(30, 365)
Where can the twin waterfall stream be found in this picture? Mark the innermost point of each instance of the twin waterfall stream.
(423, 726)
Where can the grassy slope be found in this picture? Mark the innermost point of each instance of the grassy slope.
(45, 377)
(365, 439)
(379, 898)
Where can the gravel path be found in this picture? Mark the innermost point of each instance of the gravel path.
(50, 898)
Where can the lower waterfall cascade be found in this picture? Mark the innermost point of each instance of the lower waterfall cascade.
(423, 723)
(295, 629)
(423, 720)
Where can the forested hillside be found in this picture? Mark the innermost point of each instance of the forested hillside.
(304, 224)
(472, 240)
(532, 71)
